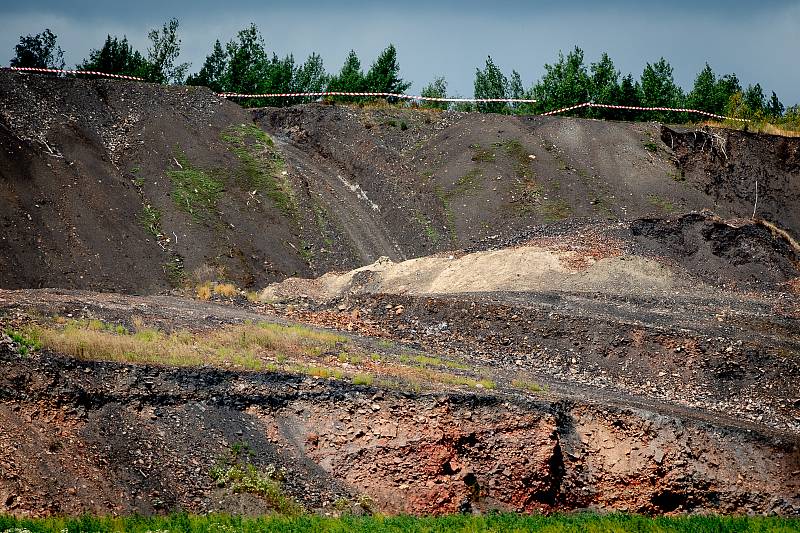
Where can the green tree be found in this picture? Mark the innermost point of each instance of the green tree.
(115, 57)
(755, 99)
(38, 51)
(491, 83)
(774, 107)
(311, 77)
(703, 96)
(247, 62)
(213, 70)
(565, 83)
(659, 90)
(630, 94)
(165, 47)
(435, 89)
(604, 87)
(384, 74)
(279, 77)
(350, 78)
(727, 86)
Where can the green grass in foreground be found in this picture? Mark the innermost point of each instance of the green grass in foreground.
(590, 523)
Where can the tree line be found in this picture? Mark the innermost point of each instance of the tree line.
(243, 65)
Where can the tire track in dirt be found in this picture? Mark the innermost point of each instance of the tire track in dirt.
(354, 213)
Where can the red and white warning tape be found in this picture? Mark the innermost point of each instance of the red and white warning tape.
(398, 96)
(87, 72)
(385, 95)
(639, 108)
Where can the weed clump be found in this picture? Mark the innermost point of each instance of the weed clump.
(194, 191)
(241, 476)
(262, 165)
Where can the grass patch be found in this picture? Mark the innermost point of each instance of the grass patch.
(241, 476)
(174, 271)
(426, 360)
(25, 341)
(203, 291)
(459, 523)
(481, 154)
(444, 198)
(520, 155)
(151, 220)
(555, 210)
(427, 226)
(466, 183)
(661, 203)
(362, 379)
(651, 146)
(194, 191)
(262, 165)
(245, 346)
(226, 290)
(676, 176)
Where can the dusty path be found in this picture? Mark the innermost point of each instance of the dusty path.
(357, 216)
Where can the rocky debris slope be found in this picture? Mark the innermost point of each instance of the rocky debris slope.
(111, 438)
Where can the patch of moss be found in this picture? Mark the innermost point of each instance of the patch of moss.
(262, 166)
(555, 210)
(194, 191)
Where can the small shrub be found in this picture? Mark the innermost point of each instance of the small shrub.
(25, 341)
(226, 290)
(651, 146)
(203, 291)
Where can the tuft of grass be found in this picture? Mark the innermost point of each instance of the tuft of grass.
(481, 154)
(26, 341)
(555, 210)
(466, 183)
(530, 386)
(203, 291)
(151, 220)
(427, 226)
(194, 191)
(426, 360)
(262, 165)
(661, 203)
(174, 271)
(651, 146)
(242, 476)
(362, 379)
(226, 290)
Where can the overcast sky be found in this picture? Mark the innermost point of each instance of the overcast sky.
(759, 41)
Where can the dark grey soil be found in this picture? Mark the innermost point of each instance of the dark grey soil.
(80, 160)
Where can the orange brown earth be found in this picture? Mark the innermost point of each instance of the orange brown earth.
(429, 313)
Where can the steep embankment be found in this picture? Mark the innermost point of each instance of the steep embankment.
(127, 186)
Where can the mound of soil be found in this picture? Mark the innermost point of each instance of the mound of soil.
(727, 164)
(95, 177)
(747, 256)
